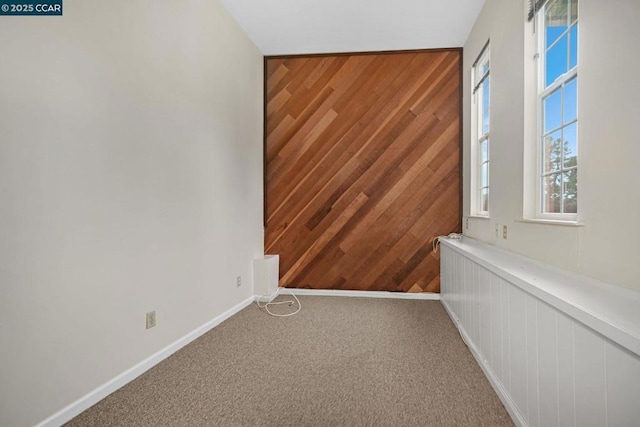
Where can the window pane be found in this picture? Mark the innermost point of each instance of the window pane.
(574, 10)
(570, 146)
(485, 106)
(482, 67)
(552, 152)
(571, 191)
(555, 20)
(552, 105)
(551, 187)
(484, 174)
(571, 101)
(553, 33)
(573, 51)
(484, 149)
(556, 61)
(484, 200)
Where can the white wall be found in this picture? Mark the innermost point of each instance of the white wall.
(608, 245)
(130, 181)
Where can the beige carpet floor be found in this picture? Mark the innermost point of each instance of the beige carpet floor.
(339, 362)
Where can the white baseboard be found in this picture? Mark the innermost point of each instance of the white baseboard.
(127, 376)
(364, 294)
(504, 396)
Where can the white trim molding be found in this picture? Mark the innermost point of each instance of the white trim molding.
(551, 222)
(93, 397)
(365, 294)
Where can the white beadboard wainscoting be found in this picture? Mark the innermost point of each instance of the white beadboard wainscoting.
(559, 349)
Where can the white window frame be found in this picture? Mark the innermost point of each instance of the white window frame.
(541, 94)
(478, 137)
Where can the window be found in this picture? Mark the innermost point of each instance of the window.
(481, 82)
(558, 106)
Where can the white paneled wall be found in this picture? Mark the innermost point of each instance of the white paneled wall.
(548, 368)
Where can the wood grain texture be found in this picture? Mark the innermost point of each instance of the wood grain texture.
(362, 168)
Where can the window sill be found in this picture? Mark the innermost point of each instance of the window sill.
(479, 216)
(552, 222)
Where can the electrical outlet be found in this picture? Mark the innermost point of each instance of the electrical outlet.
(238, 281)
(466, 223)
(504, 232)
(151, 319)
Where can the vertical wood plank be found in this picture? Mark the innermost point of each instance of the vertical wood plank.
(623, 386)
(547, 365)
(533, 399)
(445, 258)
(466, 296)
(518, 347)
(506, 373)
(476, 302)
(473, 302)
(566, 392)
(485, 315)
(590, 379)
(456, 285)
(496, 326)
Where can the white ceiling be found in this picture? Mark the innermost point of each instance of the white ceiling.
(280, 27)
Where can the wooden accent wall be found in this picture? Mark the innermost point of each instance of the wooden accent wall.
(362, 168)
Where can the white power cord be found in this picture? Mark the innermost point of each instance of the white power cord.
(436, 241)
(289, 302)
